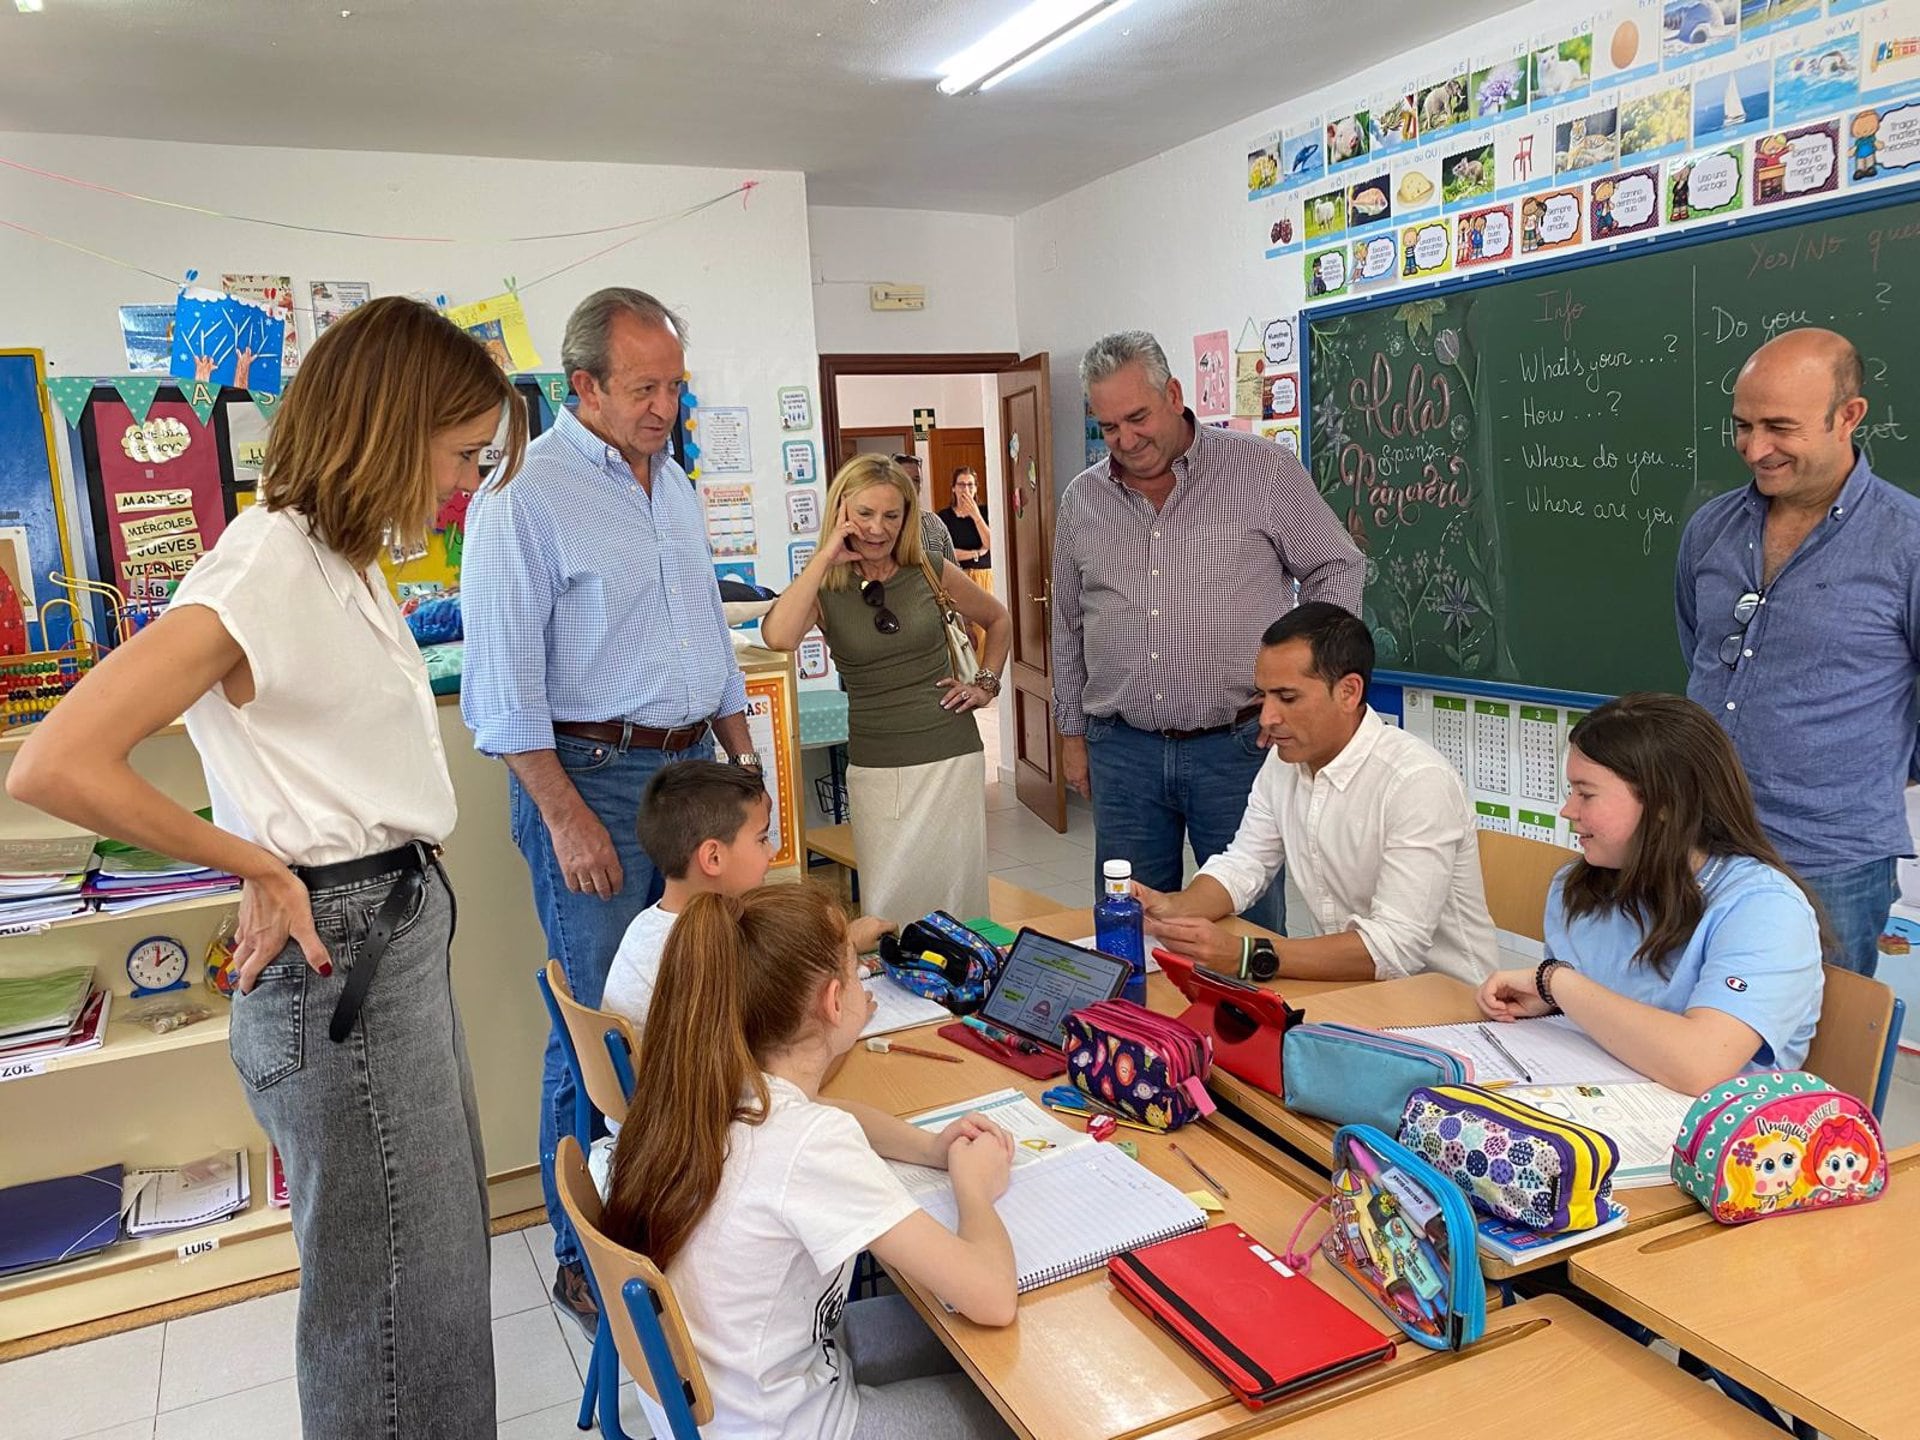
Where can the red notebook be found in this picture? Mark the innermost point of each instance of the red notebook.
(1265, 1331)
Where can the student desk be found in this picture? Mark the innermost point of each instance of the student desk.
(1550, 1369)
(1805, 1308)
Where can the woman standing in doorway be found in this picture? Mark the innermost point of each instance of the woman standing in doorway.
(308, 702)
(916, 785)
(966, 522)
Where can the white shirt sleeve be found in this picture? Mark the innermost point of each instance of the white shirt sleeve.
(1423, 828)
(1247, 866)
(840, 1195)
(636, 966)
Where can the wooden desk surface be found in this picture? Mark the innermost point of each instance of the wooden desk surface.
(1550, 1369)
(1804, 1308)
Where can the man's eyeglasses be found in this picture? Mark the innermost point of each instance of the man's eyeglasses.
(884, 620)
(1744, 609)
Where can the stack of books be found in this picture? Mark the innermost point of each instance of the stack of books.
(129, 878)
(55, 1012)
(42, 879)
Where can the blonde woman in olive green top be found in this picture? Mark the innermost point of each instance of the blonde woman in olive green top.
(916, 784)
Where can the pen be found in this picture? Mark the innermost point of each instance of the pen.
(1194, 1165)
(999, 1036)
(1089, 1112)
(1494, 1040)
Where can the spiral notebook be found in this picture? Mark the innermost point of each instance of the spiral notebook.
(1071, 1207)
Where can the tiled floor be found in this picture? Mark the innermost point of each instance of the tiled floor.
(228, 1374)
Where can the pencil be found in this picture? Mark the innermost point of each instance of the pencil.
(1194, 1165)
(894, 1047)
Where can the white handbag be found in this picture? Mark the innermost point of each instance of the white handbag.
(961, 659)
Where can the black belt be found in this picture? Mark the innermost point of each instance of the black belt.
(410, 862)
(1241, 718)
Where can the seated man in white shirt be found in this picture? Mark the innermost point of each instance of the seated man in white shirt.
(1373, 826)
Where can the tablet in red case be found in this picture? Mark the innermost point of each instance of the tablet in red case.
(1265, 1331)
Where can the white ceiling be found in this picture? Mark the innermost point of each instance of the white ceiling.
(842, 89)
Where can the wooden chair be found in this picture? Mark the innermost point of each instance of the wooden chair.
(1518, 873)
(834, 843)
(649, 1330)
(1853, 1046)
(599, 1047)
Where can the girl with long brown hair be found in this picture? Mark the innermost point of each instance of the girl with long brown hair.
(308, 703)
(1680, 940)
(754, 1196)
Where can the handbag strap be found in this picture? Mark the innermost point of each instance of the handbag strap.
(945, 600)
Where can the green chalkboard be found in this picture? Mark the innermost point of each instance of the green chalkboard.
(1518, 458)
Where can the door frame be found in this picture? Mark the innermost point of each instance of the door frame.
(832, 367)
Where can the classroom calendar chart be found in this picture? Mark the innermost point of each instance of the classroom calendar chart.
(730, 519)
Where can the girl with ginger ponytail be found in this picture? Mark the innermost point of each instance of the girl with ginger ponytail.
(754, 1196)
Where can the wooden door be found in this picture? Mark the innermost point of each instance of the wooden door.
(947, 450)
(1026, 430)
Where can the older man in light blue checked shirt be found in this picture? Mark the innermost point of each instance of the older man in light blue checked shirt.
(597, 653)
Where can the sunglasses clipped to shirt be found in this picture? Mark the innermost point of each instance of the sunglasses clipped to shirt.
(1735, 645)
(874, 592)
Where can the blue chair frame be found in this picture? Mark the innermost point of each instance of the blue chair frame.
(602, 1390)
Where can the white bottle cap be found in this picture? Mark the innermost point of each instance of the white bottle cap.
(1117, 869)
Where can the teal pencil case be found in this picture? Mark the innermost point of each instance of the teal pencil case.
(1354, 1076)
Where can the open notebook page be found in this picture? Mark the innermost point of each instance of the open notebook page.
(1551, 1050)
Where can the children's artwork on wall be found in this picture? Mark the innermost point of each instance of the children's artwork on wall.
(1550, 221)
(500, 323)
(276, 293)
(1624, 204)
(335, 298)
(1885, 141)
(1695, 30)
(1711, 183)
(224, 339)
(147, 333)
(1483, 237)
(1212, 379)
(1791, 163)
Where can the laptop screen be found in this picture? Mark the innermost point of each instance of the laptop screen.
(1044, 981)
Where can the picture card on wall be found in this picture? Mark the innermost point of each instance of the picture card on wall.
(803, 512)
(1551, 220)
(1884, 141)
(1212, 375)
(1394, 121)
(1624, 204)
(1816, 70)
(1500, 83)
(1247, 369)
(798, 461)
(1280, 396)
(1370, 203)
(1443, 103)
(1767, 17)
(1733, 97)
(1790, 163)
(1697, 30)
(1562, 65)
(1263, 166)
(1585, 142)
(1523, 154)
(1375, 262)
(1889, 49)
(730, 527)
(1416, 185)
(1426, 250)
(1326, 216)
(224, 339)
(1710, 183)
(276, 293)
(146, 331)
(1467, 175)
(1277, 226)
(796, 407)
(1655, 120)
(726, 444)
(1278, 340)
(500, 323)
(333, 299)
(1303, 152)
(1327, 272)
(1349, 139)
(1626, 42)
(1483, 237)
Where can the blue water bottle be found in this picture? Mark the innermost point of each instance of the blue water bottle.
(1118, 929)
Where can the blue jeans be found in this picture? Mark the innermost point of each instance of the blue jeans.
(1857, 903)
(1150, 793)
(380, 1138)
(583, 930)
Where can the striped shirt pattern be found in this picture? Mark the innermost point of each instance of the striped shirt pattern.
(1157, 615)
(584, 598)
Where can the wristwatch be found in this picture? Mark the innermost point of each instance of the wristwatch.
(987, 680)
(747, 760)
(1258, 959)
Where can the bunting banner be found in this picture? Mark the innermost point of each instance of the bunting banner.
(138, 391)
(70, 394)
(267, 403)
(202, 395)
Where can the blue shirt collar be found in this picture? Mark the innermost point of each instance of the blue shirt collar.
(603, 457)
(1859, 480)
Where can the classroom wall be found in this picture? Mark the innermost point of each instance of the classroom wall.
(965, 261)
(738, 270)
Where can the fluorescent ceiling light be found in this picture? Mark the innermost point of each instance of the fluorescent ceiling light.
(1036, 32)
(29, 7)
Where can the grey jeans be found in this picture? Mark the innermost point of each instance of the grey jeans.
(909, 1384)
(381, 1143)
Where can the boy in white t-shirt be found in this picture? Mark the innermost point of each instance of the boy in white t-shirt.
(705, 827)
